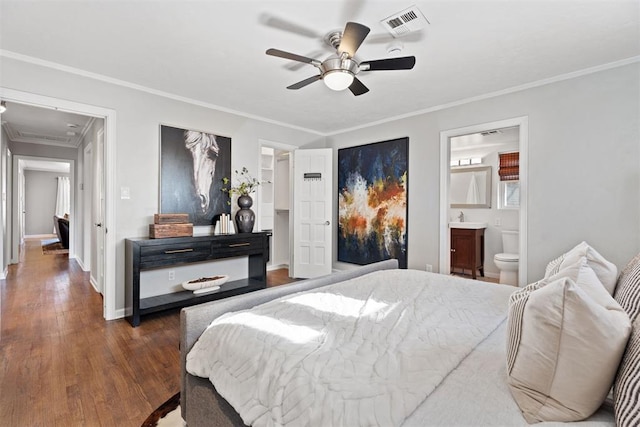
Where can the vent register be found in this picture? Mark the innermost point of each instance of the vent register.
(405, 22)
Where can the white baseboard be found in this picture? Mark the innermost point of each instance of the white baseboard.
(119, 314)
(94, 284)
(491, 275)
(277, 266)
(81, 264)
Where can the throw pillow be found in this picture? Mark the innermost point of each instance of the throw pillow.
(564, 347)
(606, 271)
(627, 386)
(628, 288)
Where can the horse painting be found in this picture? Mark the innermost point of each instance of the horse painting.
(192, 166)
(204, 150)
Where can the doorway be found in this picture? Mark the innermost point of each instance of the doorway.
(107, 257)
(38, 175)
(274, 198)
(453, 150)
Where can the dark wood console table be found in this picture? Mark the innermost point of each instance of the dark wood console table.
(144, 254)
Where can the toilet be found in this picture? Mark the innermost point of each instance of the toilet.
(507, 262)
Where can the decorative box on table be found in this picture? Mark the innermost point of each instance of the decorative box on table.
(170, 225)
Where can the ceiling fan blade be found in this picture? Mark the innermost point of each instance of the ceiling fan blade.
(286, 25)
(404, 63)
(293, 66)
(305, 82)
(357, 87)
(352, 37)
(287, 55)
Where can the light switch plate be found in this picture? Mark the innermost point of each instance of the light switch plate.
(125, 193)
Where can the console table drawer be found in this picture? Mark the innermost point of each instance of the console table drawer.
(174, 253)
(243, 246)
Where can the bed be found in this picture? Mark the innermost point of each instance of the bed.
(460, 380)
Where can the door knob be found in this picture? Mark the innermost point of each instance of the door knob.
(327, 223)
(99, 224)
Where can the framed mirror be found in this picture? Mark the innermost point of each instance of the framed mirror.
(470, 187)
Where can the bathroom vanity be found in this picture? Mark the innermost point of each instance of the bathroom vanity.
(467, 247)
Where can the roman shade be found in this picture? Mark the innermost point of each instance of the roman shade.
(509, 169)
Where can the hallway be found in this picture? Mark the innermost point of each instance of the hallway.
(63, 364)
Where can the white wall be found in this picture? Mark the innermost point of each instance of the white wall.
(138, 118)
(584, 158)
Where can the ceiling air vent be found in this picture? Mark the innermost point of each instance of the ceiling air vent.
(405, 22)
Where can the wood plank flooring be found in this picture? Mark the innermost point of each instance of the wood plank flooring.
(62, 364)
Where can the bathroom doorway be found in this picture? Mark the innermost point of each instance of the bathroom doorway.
(487, 200)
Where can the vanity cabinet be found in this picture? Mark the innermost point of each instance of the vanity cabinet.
(144, 254)
(467, 250)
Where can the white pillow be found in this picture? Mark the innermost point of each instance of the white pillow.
(606, 271)
(564, 346)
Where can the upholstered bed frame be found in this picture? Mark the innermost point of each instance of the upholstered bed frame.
(199, 402)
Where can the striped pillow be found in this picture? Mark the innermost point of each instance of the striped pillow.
(628, 288)
(626, 391)
(627, 387)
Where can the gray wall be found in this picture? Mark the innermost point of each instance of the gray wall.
(138, 118)
(584, 165)
(584, 158)
(40, 201)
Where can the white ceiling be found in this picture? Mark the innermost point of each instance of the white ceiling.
(27, 124)
(213, 52)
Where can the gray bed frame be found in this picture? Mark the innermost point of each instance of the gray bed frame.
(201, 405)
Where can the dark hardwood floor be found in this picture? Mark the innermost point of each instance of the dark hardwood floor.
(62, 364)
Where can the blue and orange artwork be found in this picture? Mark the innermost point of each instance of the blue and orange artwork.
(372, 202)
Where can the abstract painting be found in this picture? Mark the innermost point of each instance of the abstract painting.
(372, 202)
(192, 165)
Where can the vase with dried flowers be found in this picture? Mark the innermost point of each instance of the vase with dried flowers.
(245, 185)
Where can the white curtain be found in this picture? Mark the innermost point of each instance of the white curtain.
(63, 199)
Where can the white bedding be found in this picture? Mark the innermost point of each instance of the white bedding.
(360, 352)
(476, 394)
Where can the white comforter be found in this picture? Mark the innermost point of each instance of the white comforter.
(366, 351)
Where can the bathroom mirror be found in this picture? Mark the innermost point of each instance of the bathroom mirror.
(471, 187)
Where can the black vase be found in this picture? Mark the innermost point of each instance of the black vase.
(245, 218)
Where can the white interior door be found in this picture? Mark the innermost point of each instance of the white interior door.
(87, 187)
(99, 215)
(312, 210)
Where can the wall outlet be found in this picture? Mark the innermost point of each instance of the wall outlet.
(497, 222)
(172, 275)
(430, 267)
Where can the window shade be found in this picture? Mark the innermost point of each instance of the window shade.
(509, 166)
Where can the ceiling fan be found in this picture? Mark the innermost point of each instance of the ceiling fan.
(339, 71)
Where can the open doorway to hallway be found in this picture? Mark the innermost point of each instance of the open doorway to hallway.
(50, 131)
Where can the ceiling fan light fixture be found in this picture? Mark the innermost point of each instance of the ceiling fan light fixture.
(338, 79)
